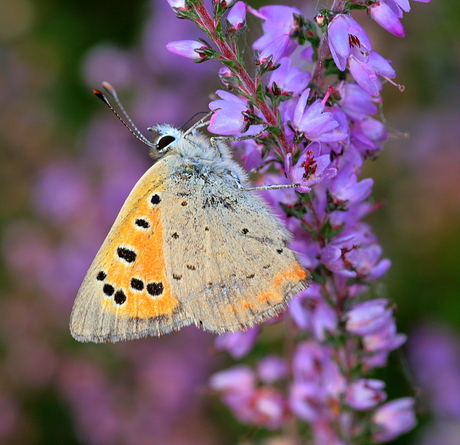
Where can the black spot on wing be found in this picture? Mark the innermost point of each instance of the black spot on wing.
(119, 297)
(101, 276)
(108, 289)
(155, 199)
(126, 254)
(137, 284)
(155, 288)
(141, 222)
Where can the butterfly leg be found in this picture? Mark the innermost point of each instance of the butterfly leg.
(214, 139)
(262, 187)
(214, 143)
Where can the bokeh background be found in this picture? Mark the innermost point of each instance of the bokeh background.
(67, 165)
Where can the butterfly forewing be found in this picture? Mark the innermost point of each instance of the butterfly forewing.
(125, 293)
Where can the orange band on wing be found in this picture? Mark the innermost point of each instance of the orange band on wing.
(137, 266)
(276, 293)
(294, 273)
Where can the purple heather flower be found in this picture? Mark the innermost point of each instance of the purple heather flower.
(378, 269)
(228, 115)
(268, 408)
(386, 17)
(356, 102)
(272, 368)
(333, 256)
(238, 344)
(368, 317)
(397, 5)
(364, 394)
(394, 418)
(290, 80)
(345, 186)
(311, 312)
(240, 378)
(264, 407)
(347, 38)
(278, 25)
(366, 73)
(343, 128)
(226, 76)
(237, 16)
(300, 306)
(353, 253)
(325, 432)
(305, 400)
(315, 123)
(314, 364)
(388, 12)
(368, 135)
(252, 156)
(310, 167)
(180, 4)
(187, 48)
(274, 50)
(385, 340)
(365, 259)
(323, 319)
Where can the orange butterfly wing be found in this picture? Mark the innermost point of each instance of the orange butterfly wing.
(125, 293)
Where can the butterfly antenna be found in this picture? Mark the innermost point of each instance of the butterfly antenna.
(191, 118)
(131, 127)
(201, 123)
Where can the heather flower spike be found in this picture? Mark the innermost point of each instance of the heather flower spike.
(315, 122)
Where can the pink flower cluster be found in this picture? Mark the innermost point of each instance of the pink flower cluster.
(315, 93)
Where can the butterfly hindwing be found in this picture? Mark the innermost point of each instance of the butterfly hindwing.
(226, 255)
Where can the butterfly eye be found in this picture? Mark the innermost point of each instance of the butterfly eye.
(164, 141)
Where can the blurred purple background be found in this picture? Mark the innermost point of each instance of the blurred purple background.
(68, 164)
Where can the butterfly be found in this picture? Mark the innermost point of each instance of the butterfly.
(192, 244)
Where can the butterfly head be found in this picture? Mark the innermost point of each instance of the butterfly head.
(168, 137)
